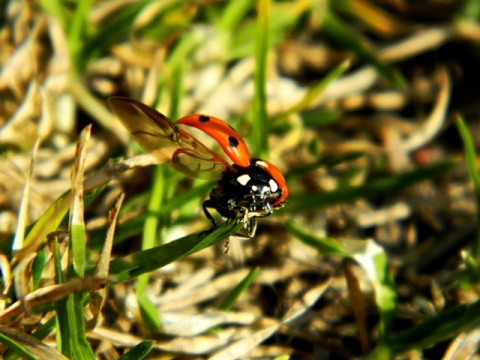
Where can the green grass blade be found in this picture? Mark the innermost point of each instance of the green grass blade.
(16, 347)
(57, 10)
(327, 162)
(443, 326)
(78, 237)
(139, 352)
(83, 349)
(232, 297)
(77, 30)
(233, 13)
(51, 219)
(324, 245)
(259, 123)
(340, 33)
(37, 268)
(374, 188)
(63, 333)
(150, 230)
(151, 259)
(316, 90)
(148, 311)
(471, 160)
(114, 29)
(25, 345)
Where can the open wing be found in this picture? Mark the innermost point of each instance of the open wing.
(157, 135)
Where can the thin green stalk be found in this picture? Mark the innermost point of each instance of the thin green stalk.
(150, 229)
(471, 162)
(260, 125)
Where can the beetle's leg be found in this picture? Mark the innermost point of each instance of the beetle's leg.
(208, 204)
(252, 226)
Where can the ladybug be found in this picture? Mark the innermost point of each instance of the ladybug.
(247, 189)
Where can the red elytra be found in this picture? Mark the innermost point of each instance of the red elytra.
(227, 137)
(249, 188)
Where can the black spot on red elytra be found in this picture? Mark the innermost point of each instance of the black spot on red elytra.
(204, 118)
(233, 141)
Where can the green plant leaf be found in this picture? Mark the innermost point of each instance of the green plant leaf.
(340, 33)
(471, 160)
(139, 352)
(148, 260)
(372, 189)
(232, 297)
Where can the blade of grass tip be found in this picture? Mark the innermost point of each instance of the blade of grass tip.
(243, 285)
(55, 213)
(80, 346)
(18, 240)
(97, 298)
(77, 222)
(43, 128)
(435, 120)
(471, 162)
(51, 219)
(259, 123)
(139, 351)
(471, 267)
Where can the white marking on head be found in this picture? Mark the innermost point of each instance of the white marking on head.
(273, 185)
(243, 179)
(254, 187)
(261, 163)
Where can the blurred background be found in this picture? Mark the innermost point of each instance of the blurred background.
(368, 107)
